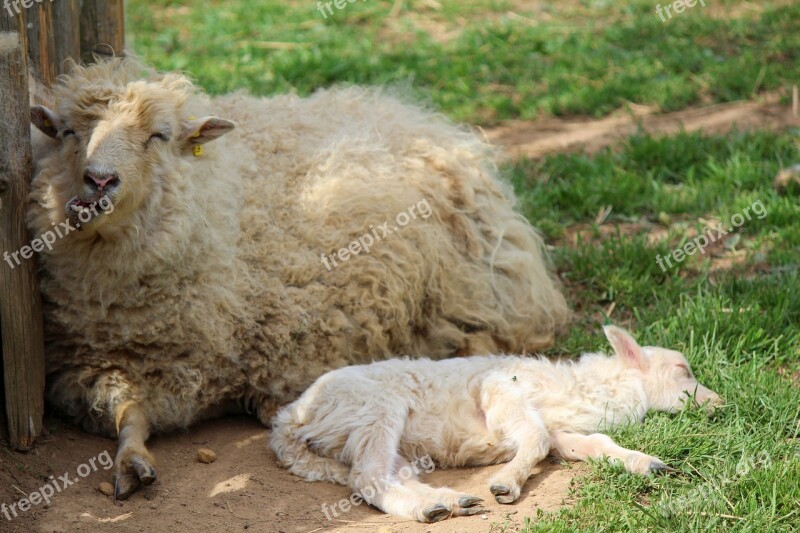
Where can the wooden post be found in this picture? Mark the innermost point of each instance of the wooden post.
(41, 51)
(67, 17)
(102, 28)
(20, 303)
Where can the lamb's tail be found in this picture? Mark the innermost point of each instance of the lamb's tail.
(294, 454)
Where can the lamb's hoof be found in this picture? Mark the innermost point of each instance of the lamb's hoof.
(503, 494)
(436, 513)
(469, 501)
(657, 467)
(469, 511)
(468, 506)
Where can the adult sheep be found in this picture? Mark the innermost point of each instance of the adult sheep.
(205, 290)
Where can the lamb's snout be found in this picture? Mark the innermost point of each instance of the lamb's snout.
(99, 182)
(709, 398)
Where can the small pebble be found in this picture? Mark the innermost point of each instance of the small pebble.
(106, 488)
(204, 455)
(484, 517)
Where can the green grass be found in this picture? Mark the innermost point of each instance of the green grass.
(479, 61)
(734, 310)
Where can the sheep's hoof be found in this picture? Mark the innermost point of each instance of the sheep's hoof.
(436, 513)
(125, 485)
(145, 471)
(469, 501)
(657, 467)
(140, 473)
(502, 493)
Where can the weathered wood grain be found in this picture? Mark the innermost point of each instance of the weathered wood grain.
(20, 303)
(102, 28)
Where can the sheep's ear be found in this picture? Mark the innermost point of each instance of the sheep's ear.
(202, 130)
(626, 347)
(45, 120)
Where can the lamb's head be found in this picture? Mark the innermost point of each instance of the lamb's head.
(667, 378)
(120, 138)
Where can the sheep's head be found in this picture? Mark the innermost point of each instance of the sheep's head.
(667, 378)
(116, 136)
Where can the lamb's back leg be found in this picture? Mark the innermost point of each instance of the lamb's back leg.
(460, 504)
(375, 469)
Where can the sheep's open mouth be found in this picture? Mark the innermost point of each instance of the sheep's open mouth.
(81, 212)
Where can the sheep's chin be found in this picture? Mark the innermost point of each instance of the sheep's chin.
(81, 212)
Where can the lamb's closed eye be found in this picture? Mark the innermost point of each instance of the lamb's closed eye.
(684, 370)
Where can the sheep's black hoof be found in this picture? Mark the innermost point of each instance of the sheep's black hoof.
(145, 471)
(502, 493)
(657, 467)
(436, 513)
(126, 485)
(469, 501)
(133, 474)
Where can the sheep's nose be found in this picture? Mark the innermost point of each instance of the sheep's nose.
(100, 181)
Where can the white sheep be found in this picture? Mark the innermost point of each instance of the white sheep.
(360, 424)
(205, 289)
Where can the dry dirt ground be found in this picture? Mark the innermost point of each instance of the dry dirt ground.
(535, 139)
(244, 490)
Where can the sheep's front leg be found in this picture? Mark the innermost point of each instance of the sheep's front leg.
(133, 466)
(577, 447)
(508, 415)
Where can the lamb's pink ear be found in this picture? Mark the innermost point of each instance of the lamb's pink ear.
(201, 130)
(45, 120)
(626, 347)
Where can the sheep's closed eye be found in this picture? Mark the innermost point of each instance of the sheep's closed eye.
(159, 135)
(684, 370)
(66, 133)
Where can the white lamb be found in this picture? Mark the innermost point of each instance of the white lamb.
(360, 424)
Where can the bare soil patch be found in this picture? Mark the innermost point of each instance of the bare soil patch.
(557, 135)
(243, 490)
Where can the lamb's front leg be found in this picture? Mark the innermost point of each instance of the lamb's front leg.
(577, 447)
(509, 415)
(134, 465)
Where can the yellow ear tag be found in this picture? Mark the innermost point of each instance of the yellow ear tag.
(197, 150)
(196, 134)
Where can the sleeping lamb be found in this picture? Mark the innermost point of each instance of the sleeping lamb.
(365, 423)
